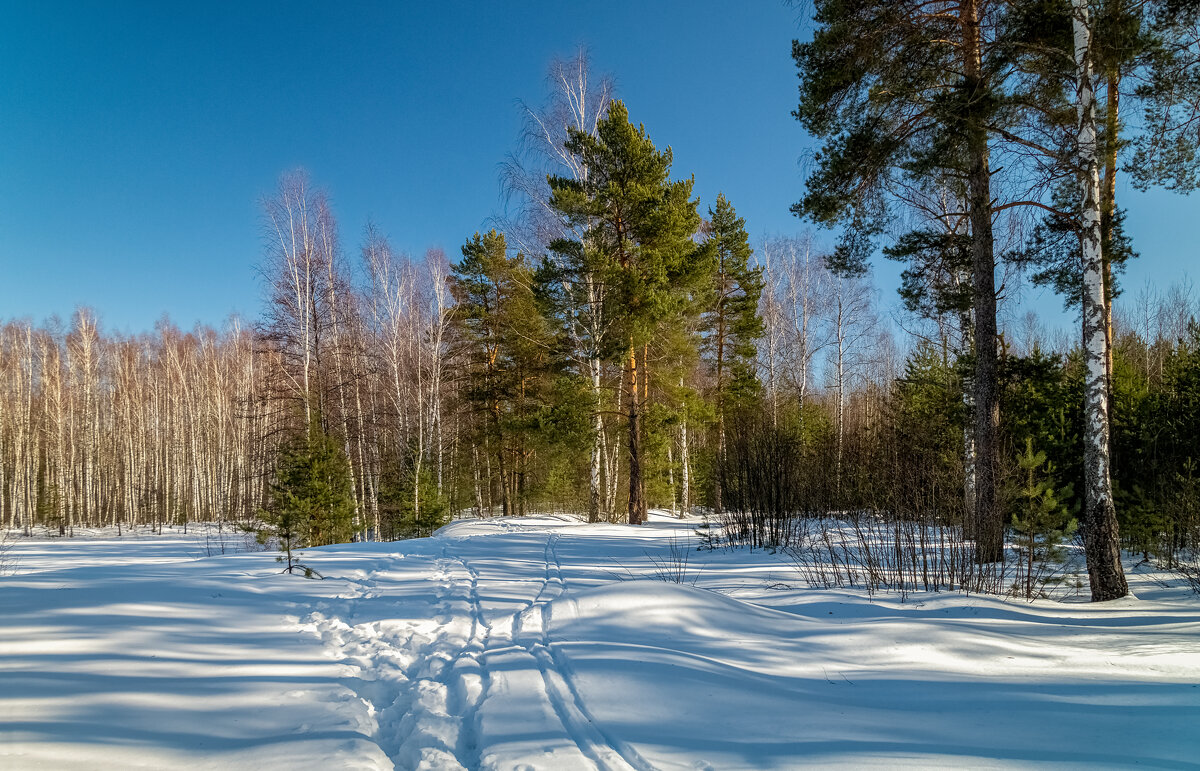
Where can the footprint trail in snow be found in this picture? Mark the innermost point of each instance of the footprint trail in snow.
(445, 650)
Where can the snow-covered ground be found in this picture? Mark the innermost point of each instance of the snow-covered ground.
(546, 644)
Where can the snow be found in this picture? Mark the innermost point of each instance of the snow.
(543, 643)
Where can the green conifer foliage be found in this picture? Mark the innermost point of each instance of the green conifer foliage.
(311, 500)
(731, 324)
(1156, 446)
(637, 234)
(397, 498)
(504, 346)
(1041, 518)
(929, 417)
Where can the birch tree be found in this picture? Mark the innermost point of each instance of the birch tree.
(1101, 541)
(851, 323)
(578, 100)
(801, 287)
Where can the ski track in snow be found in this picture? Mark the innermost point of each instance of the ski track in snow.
(423, 680)
(448, 684)
(530, 630)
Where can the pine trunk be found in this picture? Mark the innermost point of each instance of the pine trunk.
(989, 529)
(637, 489)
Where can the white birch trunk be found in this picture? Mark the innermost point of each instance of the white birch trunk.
(597, 447)
(686, 481)
(1101, 541)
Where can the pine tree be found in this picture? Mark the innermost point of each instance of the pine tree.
(1124, 47)
(1041, 518)
(504, 348)
(731, 324)
(1065, 50)
(1107, 43)
(638, 229)
(906, 95)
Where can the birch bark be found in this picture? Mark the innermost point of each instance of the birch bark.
(1100, 537)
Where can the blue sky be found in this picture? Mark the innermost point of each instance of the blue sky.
(136, 139)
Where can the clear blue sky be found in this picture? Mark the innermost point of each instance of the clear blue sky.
(136, 138)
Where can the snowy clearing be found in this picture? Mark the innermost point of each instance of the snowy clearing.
(546, 644)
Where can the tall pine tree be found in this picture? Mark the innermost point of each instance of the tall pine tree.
(902, 94)
(638, 229)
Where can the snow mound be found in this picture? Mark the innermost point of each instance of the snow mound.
(464, 528)
(693, 679)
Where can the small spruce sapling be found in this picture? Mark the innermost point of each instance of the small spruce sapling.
(311, 503)
(1042, 521)
(285, 522)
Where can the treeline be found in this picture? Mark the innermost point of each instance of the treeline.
(152, 429)
(612, 345)
(176, 427)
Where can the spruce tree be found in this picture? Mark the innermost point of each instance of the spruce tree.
(929, 418)
(312, 503)
(731, 324)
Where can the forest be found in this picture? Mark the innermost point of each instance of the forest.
(612, 344)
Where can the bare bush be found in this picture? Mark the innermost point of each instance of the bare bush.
(8, 557)
(763, 484)
(882, 554)
(674, 567)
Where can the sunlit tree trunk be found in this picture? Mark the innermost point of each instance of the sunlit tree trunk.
(1101, 540)
(637, 487)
